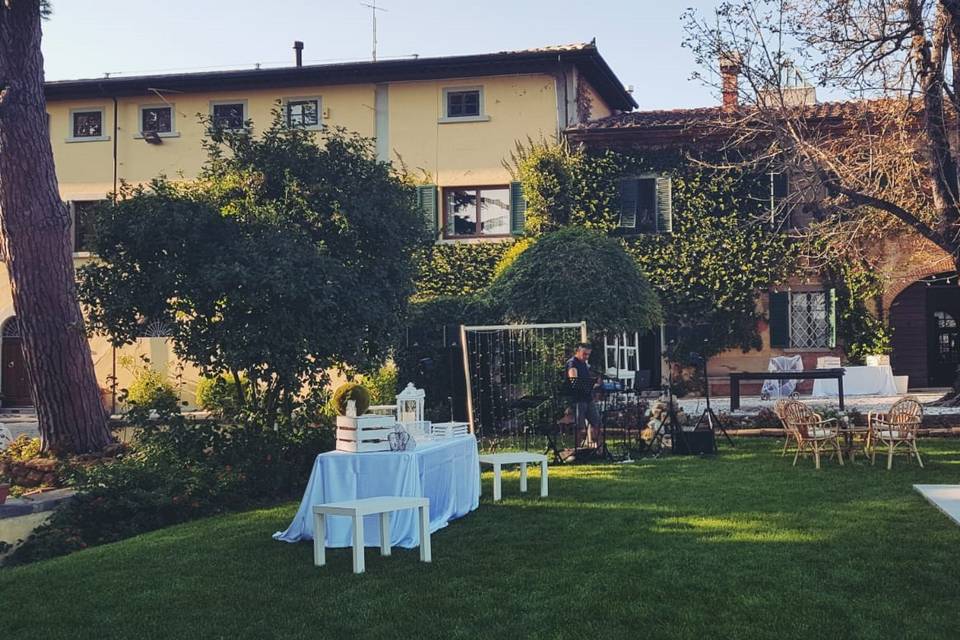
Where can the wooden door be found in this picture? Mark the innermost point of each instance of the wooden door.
(13, 379)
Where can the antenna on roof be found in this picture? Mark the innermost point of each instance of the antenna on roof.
(373, 10)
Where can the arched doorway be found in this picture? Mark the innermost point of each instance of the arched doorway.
(14, 384)
(925, 319)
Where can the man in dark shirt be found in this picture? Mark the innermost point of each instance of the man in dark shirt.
(582, 384)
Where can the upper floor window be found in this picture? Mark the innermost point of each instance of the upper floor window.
(463, 104)
(646, 204)
(87, 124)
(156, 119)
(476, 211)
(228, 116)
(303, 113)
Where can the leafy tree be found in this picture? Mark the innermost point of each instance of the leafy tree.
(892, 149)
(577, 274)
(37, 246)
(289, 255)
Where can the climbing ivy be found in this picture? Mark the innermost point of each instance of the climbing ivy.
(708, 272)
(861, 327)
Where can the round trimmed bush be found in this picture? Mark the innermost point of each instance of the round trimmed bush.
(577, 274)
(351, 391)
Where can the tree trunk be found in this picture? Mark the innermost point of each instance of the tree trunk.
(37, 249)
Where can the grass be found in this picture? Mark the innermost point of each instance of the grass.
(740, 546)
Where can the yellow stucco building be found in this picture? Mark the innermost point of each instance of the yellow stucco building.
(451, 121)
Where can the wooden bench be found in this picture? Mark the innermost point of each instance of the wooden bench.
(521, 458)
(357, 509)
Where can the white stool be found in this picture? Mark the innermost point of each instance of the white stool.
(523, 459)
(356, 509)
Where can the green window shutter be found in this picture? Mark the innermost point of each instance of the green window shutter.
(427, 203)
(664, 204)
(832, 317)
(779, 319)
(629, 202)
(518, 208)
(779, 186)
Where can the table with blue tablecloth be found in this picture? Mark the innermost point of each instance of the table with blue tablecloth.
(447, 471)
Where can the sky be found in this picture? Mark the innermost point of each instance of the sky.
(640, 39)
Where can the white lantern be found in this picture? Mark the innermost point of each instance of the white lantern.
(410, 405)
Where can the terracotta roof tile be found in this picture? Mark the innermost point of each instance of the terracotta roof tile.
(680, 118)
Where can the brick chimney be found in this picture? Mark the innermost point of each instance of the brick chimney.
(729, 77)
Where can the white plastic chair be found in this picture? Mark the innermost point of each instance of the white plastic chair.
(781, 388)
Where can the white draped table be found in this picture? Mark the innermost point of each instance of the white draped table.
(446, 471)
(859, 381)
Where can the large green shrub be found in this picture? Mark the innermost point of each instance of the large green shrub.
(457, 269)
(151, 391)
(382, 384)
(179, 470)
(220, 396)
(577, 274)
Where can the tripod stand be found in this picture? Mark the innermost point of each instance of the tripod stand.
(708, 417)
(672, 424)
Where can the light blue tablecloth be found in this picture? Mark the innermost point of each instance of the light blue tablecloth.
(445, 471)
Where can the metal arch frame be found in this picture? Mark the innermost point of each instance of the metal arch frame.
(582, 325)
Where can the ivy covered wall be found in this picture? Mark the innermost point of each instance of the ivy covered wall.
(710, 266)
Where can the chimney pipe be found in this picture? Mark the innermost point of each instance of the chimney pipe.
(729, 79)
(298, 47)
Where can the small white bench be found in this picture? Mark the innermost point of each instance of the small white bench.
(521, 458)
(357, 509)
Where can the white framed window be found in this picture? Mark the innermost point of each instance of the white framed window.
(87, 124)
(159, 119)
(304, 113)
(476, 212)
(463, 104)
(809, 320)
(228, 115)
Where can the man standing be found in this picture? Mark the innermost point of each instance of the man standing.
(582, 384)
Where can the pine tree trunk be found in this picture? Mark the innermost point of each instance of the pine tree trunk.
(37, 248)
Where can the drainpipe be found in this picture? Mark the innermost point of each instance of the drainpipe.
(116, 129)
(113, 349)
(564, 121)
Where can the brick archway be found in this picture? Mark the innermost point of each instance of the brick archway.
(924, 316)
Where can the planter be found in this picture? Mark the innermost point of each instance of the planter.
(364, 433)
(4, 492)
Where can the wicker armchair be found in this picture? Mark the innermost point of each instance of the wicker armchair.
(895, 429)
(812, 432)
(790, 435)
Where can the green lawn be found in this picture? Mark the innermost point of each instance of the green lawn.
(741, 546)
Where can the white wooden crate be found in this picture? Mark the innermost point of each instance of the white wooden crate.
(364, 433)
(449, 429)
